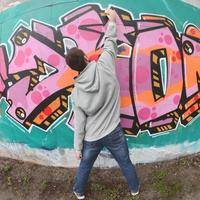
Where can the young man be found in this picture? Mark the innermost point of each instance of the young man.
(96, 105)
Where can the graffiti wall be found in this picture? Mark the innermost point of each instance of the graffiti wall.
(158, 68)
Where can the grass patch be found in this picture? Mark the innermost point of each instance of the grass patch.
(9, 181)
(130, 197)
(112, 194)
(26, 183)
(163, 186)
(97, 187)
(109, 193)
(45, 184)
(7, 168)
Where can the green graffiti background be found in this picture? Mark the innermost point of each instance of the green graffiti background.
(49, 11)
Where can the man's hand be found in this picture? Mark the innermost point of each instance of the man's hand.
(78, 155)
(111, 14)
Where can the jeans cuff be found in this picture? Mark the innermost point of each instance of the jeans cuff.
(79, 193)
(134, 191)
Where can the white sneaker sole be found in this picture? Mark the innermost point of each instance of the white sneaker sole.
(79, 197)
(134, 193)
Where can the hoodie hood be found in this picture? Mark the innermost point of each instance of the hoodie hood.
(88, 79)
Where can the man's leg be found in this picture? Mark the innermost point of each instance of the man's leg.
(89, 154)
(117, 145)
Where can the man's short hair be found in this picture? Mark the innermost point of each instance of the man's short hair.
(75, 59)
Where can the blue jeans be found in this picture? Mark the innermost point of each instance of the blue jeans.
(116, 143)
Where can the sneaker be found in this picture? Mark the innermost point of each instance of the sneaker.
(135, 193)
(79, 196)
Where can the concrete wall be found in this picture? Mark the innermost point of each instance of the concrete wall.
(5, 4)
(156, 67)
(193, 2)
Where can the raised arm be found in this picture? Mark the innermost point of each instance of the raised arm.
(107, 58)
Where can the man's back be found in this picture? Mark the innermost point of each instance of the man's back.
(96, 94)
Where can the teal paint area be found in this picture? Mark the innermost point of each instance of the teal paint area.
(58, 136)
(157, 45)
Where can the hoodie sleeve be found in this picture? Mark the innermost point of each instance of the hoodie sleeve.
(107, 58)
(79, 127)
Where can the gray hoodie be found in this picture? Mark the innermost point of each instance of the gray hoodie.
(96, 97)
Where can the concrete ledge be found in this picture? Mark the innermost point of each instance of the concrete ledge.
(66, 158)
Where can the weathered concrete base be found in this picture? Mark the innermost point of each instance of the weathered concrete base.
(66, 158)
(5, 4)
(193, 2)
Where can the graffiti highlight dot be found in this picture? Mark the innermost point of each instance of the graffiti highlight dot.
(72, 29)
(178, 55)
(36, 97)
(28, 51)
(46, 93)
(142, 74)
(41, 117)
(54, 60)
(153, 115)
(47, 111)
(160, 40)
(20, 58)
(198, 48)
(144, 113)
(176, 99)
(39, 87)
(168, 39)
